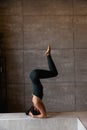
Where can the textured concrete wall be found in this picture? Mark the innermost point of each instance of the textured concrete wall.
(28, 26)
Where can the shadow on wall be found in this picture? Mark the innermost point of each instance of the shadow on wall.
(3, 86)
(10, 45)
(11, 94)
(1, 41)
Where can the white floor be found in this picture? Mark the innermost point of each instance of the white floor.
(20, 121)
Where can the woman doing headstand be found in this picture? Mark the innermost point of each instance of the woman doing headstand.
(38, 109)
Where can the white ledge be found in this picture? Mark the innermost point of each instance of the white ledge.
(20, 121)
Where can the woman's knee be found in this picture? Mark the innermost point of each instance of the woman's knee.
(33, 75)
(56, 73)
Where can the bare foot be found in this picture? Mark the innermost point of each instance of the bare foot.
(48, 51)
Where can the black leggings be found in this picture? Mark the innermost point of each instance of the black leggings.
(38, 74)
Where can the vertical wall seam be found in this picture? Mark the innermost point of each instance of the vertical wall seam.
(23, 48)
(73, 27)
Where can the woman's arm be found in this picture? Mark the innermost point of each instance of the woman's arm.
(40, 106)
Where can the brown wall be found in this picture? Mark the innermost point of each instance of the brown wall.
(28, 26)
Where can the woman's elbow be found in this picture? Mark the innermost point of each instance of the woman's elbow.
(44, 116)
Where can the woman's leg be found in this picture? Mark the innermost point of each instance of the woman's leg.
(40, 73)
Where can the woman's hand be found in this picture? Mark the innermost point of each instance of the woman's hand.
(31, 114)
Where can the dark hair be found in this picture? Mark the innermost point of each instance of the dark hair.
(33, 111)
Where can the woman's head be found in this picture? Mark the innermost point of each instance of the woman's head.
(33, 110)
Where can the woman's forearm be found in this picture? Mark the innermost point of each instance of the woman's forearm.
(40, 116)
